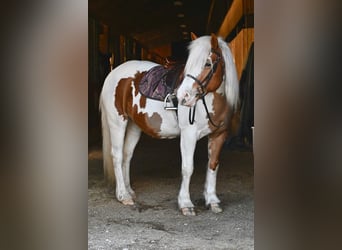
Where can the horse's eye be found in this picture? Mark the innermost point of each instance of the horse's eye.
(207, 64)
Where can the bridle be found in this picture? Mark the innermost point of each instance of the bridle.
(202, 89)
(204, 83)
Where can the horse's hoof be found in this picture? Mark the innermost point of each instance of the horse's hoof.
(215, 207)
(188, 211)
(128, 202)
(132, 193)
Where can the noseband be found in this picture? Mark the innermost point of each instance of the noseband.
(202, 89)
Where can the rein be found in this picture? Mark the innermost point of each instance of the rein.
(192, 117)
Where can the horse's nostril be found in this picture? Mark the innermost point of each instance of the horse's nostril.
(187, 96)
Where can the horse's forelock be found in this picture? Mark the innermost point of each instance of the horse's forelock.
(198, 53)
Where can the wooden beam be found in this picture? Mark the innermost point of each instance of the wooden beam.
(233, 16)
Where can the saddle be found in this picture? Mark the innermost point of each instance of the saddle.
(160, 81)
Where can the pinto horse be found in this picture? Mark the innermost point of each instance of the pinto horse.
(207, 95)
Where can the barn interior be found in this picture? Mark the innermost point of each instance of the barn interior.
(160, 30)
(157, 30)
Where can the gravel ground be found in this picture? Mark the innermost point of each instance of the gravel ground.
(156, 222)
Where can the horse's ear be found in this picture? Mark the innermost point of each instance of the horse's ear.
(214, 42)
(193, 36)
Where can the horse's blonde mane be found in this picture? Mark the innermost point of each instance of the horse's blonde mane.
(199, 50)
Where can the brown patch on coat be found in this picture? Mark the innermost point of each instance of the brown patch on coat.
(149, 125)
(137, 79)
(124, 105)
(221, 114)
(235, 123)
(123, 95)
(215, 144)
(217, 77)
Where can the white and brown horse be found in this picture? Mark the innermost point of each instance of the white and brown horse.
(207, 96)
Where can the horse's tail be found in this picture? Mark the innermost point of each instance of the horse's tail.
(104, 124)
(106, 145)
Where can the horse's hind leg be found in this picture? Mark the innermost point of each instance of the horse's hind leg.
(132, 137)
(215, 144)
(117, 128)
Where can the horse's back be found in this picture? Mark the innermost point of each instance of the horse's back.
(124, 70)
(117, 102)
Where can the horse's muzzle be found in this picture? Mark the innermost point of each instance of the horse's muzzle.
(188, 100)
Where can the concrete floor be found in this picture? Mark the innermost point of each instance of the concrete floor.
(156, 222)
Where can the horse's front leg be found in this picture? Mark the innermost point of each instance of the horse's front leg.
(188, 144)
(215, 144)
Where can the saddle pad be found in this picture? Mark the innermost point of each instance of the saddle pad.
(156, 83)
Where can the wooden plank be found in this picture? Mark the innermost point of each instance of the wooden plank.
(240, 46)
(232, 17)
(237, 10)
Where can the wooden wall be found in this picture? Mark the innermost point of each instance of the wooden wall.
(238, 30)
(106, 51)
(240, 46)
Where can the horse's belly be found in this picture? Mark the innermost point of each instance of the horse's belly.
(155, 121)
(162, 127)
(169, 126)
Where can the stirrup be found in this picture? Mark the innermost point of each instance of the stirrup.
(167, 99)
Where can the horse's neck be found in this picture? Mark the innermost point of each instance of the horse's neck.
(222, 89)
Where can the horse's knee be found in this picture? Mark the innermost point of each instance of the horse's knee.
(213, 165)
(187, 171)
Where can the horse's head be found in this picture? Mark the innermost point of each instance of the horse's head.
(204, 70)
